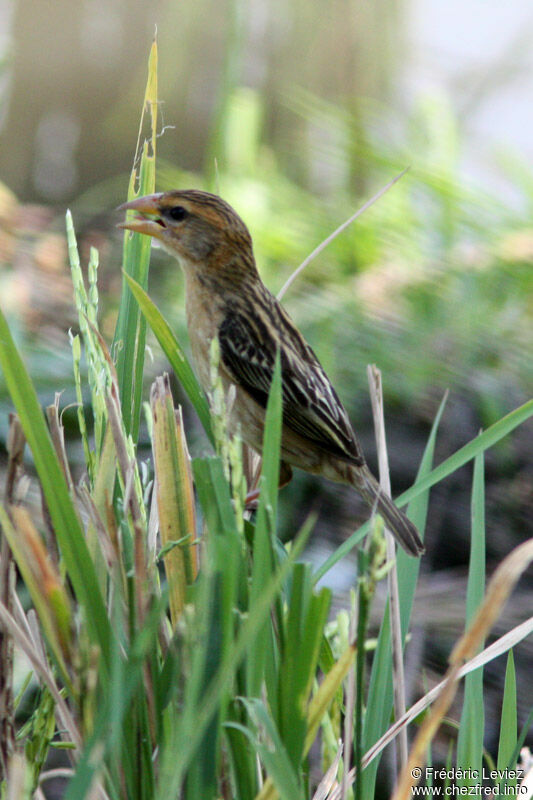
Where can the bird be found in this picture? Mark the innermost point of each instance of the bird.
(226, 298)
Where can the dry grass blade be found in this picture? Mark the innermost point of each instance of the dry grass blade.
(108, 545)
(328, 782)
(20, 617)
(18, 778)
(58, 440)
(16, 442)
(53, 774)
(125, 465)
(188, 507)
(500, 646)
(35, 634)
(321, 700)
(376, 395)
(15, 446)
(130, 481)
(497, 648)
(43, 581)
(43, 672)
(498, 590)
(339, 230)
(57, 433)
(128, 470)
(103, 480)
(175, 495)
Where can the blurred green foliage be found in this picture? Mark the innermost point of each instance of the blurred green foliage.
(433, 283)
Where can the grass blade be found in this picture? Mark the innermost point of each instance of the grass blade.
(44, 584)
(483, 442)
(499, 588)
(263, 553)
(487, 439)
(180, 754)
(380, 694)
(216, 602)
(130, 332)
(501, 645)
(174, 352)
(471, 728)
(175, 496)
(339, 230)
(508, 725)
(66, 524)
(268, 744)
(307, 615)
(317, 708)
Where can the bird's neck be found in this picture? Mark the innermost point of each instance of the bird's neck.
(222, 273)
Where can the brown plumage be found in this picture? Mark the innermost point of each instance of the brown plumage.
(225, 297)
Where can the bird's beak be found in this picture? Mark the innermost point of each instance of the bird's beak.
(149, 204)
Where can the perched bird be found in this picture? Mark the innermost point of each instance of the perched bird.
(225, 297)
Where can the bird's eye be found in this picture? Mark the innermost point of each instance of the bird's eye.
(177, 213)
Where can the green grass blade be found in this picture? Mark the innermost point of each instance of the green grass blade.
(307, 615)
(67, 527)
(175, 761)
(214, 495)
(487, 439)
(525, 730)
(508, 724)
(380, 694)
(97, 366)
(202, 773)
(342, 551)
(471, 728)
(216, 604)
(110, 731)
(242, 756)
(483, 442)
(269, 746)
(175, 354)
(130, 332)
(263, 548)
(322, 699)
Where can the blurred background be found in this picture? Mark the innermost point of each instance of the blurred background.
(297, 112)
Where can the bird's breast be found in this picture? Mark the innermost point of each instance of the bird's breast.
(205, 312)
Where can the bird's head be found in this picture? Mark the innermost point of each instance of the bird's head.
(198, 228)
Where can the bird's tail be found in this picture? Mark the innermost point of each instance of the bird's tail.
(399, 525)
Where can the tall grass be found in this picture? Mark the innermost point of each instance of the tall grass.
(182, 650)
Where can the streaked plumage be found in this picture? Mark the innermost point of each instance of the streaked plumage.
(311, 407)
(225, 297)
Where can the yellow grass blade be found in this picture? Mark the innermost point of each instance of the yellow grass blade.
(175, 497)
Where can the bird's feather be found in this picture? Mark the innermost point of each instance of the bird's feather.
(311, 407)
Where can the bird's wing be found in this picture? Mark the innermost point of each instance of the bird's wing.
(311, 408)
